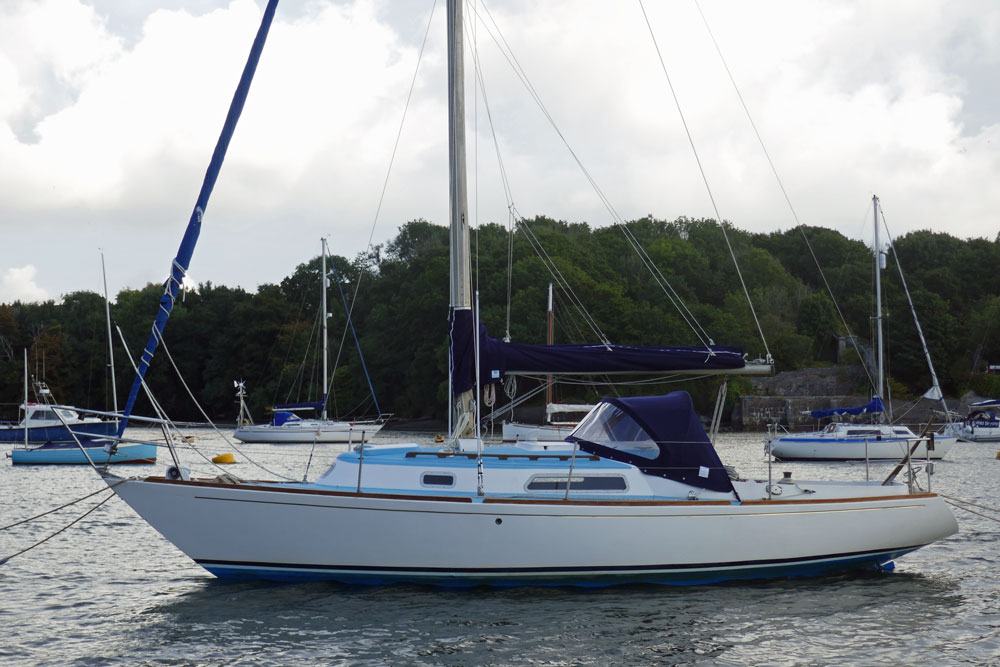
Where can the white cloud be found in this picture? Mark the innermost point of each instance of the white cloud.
(18, 284)
(105, 135)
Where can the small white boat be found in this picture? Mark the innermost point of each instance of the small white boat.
(982, 424)
(287, 427)
(552, 429)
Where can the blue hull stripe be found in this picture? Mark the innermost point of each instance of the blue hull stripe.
(682, 574)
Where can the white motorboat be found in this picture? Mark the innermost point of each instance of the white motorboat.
(982, 423)
(637, 495)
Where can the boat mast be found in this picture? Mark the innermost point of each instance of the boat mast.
(461, 267)
(25, 420)
(323, 282)
(548, 341)
(111, 349)
(878, 308)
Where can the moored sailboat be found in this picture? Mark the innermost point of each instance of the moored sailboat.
(879, 439)
(638, 494)
(288, 427)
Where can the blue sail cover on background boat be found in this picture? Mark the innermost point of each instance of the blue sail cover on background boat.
(875, 405)
(660, 435)
(497, 358)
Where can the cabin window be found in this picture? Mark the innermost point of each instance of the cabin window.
(437, 479)
(856, 431)
(44, 414)
(577, 483)
(902, 431)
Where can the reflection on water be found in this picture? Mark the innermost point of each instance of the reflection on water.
(110, 590)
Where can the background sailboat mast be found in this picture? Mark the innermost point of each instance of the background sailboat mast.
(549, 337)
(878, 308)
(323, 283)
(111, 348)
(461, 267)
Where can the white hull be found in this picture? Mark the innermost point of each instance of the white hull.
(317, 431)
(301, 534)
(805, 449)
(978, 433)
(844, 442)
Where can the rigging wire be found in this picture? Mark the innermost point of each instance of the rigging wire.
(619, 222)
(718, 217)
(781, 186)
(209, 421)
(392, 157)
(916, 322)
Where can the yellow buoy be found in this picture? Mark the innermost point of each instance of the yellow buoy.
(440, 438)
(224, 458)
(998, 455)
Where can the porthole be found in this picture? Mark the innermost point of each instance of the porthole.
(437, 479)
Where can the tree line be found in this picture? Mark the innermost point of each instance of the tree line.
(397, 295)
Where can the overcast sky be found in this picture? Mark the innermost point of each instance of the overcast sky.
(110, 110)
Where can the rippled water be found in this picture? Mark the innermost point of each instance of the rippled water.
(110, 590)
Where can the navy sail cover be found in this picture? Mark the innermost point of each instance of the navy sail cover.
(307, 405)
(660, 435)
(875, 405)
(497, 358)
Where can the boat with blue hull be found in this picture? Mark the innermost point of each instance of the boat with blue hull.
(88, 451)
(42, 425)
(636, 494)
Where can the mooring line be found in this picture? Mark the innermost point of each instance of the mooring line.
(961, 504)
(73, 502)
(74, 521)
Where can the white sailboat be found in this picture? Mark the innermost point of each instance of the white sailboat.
(638, 495)
(846, 441)
(286, 426)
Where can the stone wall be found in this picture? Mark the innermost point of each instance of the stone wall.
(787, 398)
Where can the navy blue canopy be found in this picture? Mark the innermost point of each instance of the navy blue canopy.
(280, 418)
(497, 358)
(875, 405)
(660, 435)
